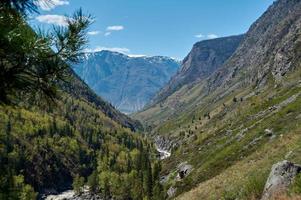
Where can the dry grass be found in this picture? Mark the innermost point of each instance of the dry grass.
(285, 197)
(261, 160)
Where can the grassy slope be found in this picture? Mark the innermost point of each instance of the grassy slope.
(234, 143)
(246, 178)
(232, 152)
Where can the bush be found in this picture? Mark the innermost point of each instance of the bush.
(252, 189)
(296, 186)
(78, 184)
(93, 182)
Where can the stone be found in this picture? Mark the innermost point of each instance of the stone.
(281, 176)
(184, 170)
(171, 192)
(269, 132)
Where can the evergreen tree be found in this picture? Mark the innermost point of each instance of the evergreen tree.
(148, 180)
(104, 184)
(29, 67)
(93, 182)
(158, 191)
(78, 184)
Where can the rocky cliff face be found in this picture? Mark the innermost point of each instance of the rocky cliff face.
(270, 49)
(128, 83)
(204, 59)
(267, 52)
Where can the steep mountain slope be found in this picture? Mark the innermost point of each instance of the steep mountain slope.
(69, 140)
(78, 89)
(269, 49)
(50, 145)
(231, 127)
(128, 83)
(204, 59)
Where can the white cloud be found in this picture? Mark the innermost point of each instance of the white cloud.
(199, 35)
(51, 4)
(122, 50)
(136, 55)
(93, 32)
(107, 34)
(53, 19)
(114, 49)
(115, 28)
(212, 36)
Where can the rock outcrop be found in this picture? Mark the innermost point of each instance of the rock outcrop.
(269, 50)
(204, 59)
(184, 170)
(281, 176)
(266, 53)
(163, 143)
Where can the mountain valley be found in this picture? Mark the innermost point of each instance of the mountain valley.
(233, 123)
(223, 124)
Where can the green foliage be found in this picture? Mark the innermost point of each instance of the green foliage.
(296, 186)
(132, 165)
(78, 184)
(93, 182)
(255, 185)
(22, 6)
(14, 188)
(29, 67)
(252, 189)
(157, 192)
(45, 146)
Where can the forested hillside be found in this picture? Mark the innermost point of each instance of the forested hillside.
(55, 133)
(226, 126)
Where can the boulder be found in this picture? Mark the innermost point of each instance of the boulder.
(269, 132)
(184, 170)
(281, 176)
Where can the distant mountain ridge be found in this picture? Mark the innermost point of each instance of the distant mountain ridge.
(127, 82)
(78, 89)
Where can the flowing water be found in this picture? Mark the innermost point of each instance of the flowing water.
(163, 153)
(69, 194)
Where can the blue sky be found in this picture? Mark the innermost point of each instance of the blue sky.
(156, 27)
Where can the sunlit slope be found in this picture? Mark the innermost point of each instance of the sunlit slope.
(232, 126)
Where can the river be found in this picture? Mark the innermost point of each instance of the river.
(163, 153)
(67, 195)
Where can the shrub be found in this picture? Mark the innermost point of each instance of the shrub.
(296, 186)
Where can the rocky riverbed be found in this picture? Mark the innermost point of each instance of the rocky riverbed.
(71, 195)
(163, 146)
(163, 153)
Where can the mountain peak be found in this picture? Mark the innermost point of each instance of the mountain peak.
(127, 82)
